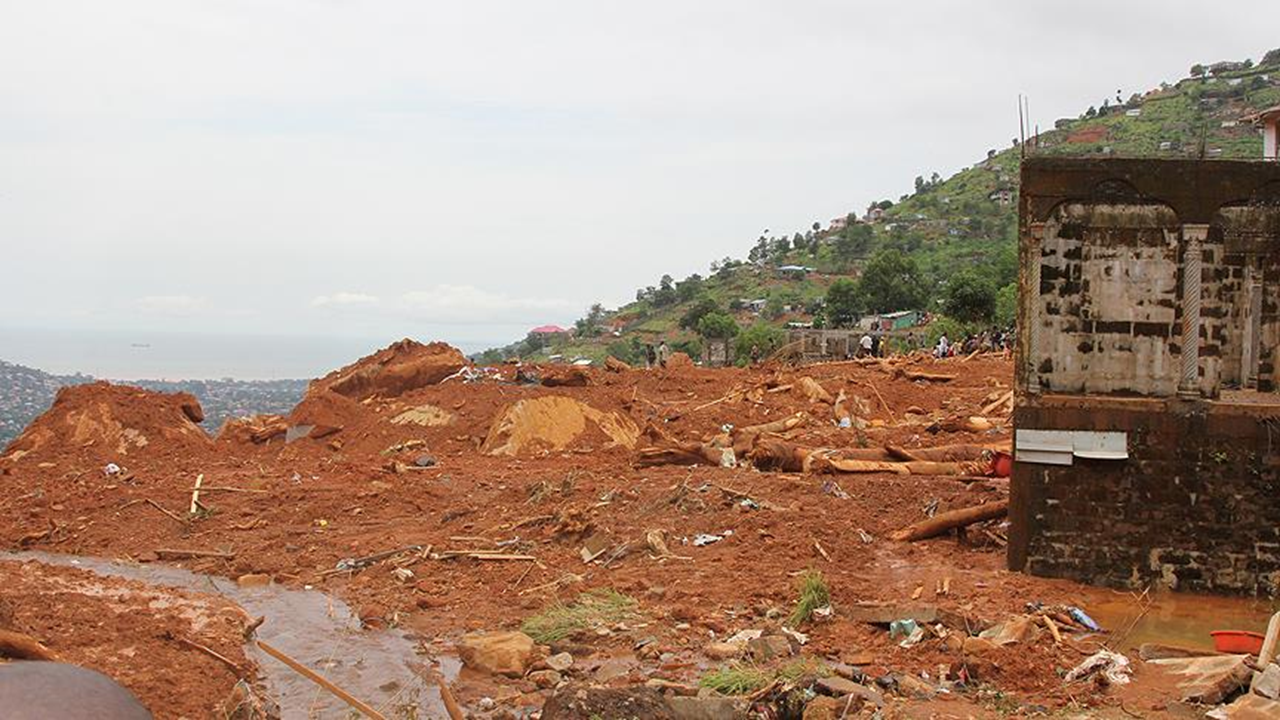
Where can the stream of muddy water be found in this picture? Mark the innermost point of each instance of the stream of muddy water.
(381, 667)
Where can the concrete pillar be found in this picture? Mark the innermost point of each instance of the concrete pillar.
(1035, 250)
(1192, 238)
(1271, 140)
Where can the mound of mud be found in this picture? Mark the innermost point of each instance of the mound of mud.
(400, 367)
(554, 422)
(113, 421)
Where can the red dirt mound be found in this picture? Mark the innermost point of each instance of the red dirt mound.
(393, 371)
(113, 421)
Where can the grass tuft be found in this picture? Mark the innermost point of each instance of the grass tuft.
(592, 609)
(744, 679)
(814, 594)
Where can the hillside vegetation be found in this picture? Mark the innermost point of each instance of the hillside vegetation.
(948, 248)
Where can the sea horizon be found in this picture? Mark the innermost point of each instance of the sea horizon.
(168, 355)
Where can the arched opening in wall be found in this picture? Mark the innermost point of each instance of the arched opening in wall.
(1108, 303)
(1243, 325)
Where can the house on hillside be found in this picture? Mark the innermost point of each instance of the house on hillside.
(838, 224)
(1001, 196)
(1269, 121)
(874, 214)
(901, 320)
(548, 332)
(793, 271)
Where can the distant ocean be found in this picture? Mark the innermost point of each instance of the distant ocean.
(120, 355)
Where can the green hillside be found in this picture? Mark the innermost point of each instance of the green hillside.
(953, 240)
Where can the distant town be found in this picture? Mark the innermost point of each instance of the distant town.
(26, 392)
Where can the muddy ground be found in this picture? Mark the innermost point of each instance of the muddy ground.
(411, 447)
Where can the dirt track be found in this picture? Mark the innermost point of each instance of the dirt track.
(543, 483)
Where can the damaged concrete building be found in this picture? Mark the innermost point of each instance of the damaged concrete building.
(1147, 422)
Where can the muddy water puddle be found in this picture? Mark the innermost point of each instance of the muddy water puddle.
(1178, 619)
(382, 668)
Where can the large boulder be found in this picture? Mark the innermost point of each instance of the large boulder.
(497, 653)
(554, 422)
(393, 371)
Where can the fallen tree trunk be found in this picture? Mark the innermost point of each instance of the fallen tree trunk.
(940, 524)
(941, 453)
(962, 467)
(686, 454)
(613, 364)
(778, 455)
(921, 375)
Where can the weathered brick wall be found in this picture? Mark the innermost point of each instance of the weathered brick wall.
(1108, 294)
(1196, 507)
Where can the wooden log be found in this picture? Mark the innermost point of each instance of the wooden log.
(20, 646)
(943, 522)
(777, 426)
(929, 467)
(682, 454)
(613, 364)
(826, 463)
(318, 679)
(178, 554)
(770, 454)
(921, 375)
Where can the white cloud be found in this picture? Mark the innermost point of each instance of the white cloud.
(446, 303)
(451, 304)
(344, 299)
(173, 305)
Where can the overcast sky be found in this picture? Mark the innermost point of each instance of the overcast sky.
(467, 170)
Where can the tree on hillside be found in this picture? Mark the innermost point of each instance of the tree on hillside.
(704, 305)
(666, 292)
(763, 336)
(593, 324)
(969, 296)
(1007, 305)
(844, 303)
(891, 281)
(689, 288)
(852, 242)
(717, 326)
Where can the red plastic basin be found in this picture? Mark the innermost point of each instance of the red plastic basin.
(1237, 641)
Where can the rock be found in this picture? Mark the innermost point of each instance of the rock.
(710, 708)
(722, 650)
(1019, 629)
(827, 708)
(578, 702)
(979, 647)
(1267, 683)
(498, 653)
(424, 461)
(1207, 680)
(545, 678)
(253, 580)
(560, 661)
(763, 649)
(842, 687)
(914, 687)
(1251, 707)
(612, 669)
